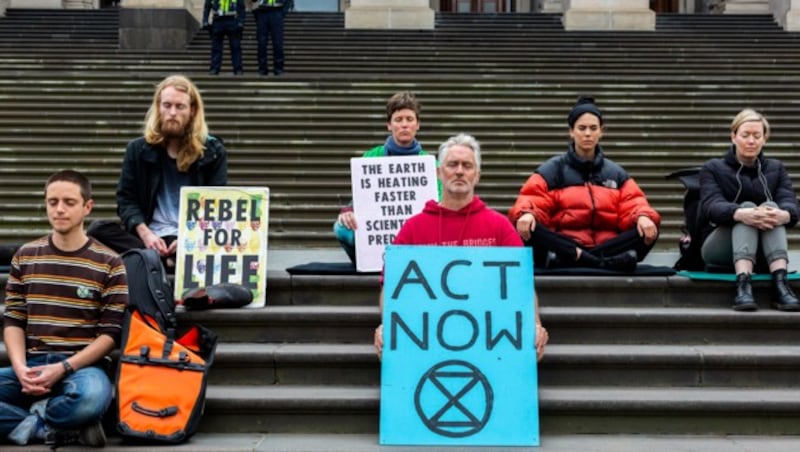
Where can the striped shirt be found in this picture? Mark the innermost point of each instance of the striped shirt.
(64, 300)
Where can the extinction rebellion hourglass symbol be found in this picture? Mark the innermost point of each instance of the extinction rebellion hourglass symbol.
(454, 399)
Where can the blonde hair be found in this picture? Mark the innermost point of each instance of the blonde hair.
(749, 115)
(194, 140)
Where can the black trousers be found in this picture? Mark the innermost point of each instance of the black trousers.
(544, 240)
(111, 234)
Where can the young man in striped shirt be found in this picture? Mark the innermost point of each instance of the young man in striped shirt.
(65, 298)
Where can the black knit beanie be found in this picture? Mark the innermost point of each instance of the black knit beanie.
(584, 104)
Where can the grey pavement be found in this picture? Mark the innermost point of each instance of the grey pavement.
(369, 443)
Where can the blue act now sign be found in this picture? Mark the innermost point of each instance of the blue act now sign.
(459, 357)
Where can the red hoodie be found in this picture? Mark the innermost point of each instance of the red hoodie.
(473, 225)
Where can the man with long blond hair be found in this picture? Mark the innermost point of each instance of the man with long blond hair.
(175, 151)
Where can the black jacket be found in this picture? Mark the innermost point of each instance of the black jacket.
(140, 179)
(568, 170)
(725, 184)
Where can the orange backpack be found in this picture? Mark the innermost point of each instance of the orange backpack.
(163, 369)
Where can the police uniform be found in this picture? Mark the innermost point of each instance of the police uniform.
(269, 24)
(228, 21)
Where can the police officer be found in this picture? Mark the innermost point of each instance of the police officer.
(269, 24)
(228, 21)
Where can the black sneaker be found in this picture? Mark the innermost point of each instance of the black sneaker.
(552, 260)
(57, 438)
(624, 262)
(93, 435)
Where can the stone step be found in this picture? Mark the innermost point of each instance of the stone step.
(569, 410)
(617, 325)
(653, 366)
(618, 319)
(570, 325)
(689, 365)
(314, 298)
(668, 410)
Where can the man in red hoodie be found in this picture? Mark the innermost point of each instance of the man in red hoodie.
(460, 218)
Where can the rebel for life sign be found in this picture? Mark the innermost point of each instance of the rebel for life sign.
(459, 354)
(386, 192)
(222, 237)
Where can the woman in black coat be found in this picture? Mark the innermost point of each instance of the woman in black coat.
(748, 202)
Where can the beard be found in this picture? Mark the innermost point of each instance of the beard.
(173, 128)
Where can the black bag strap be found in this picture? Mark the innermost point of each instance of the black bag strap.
(157, 281)
(158, 286)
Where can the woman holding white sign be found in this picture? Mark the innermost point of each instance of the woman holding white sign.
(402, 116)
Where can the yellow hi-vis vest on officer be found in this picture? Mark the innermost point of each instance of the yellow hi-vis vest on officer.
(270, 3)
(226, 8)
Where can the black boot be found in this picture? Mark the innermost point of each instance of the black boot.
(744, 300)
(588, 259)
(625, 262)
(552, 260)
(784, 299)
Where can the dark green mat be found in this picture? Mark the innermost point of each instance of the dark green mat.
(706, 276)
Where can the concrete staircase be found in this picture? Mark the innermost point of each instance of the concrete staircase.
(649, 355)
(673, 361)
(668, 96)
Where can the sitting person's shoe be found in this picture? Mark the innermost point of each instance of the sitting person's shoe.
(624, 262)
(744, 300)
(57, 438)
(25, 431)
(91, 435)
(784, 298)
(552, 260)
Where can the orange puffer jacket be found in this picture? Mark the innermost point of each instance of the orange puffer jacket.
(588, 201)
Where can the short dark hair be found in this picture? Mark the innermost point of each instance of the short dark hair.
(401, 101)
(71, 176)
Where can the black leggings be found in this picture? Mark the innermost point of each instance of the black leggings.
(544, 240)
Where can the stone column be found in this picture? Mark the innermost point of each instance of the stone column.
(387, 14)
(156, 24)
(44, 4)
(747, 6)
(3, 7)
(608, 15)
(550, 6)
(787, 14)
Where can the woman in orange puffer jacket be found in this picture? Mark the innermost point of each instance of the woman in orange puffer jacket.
(580, 209)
